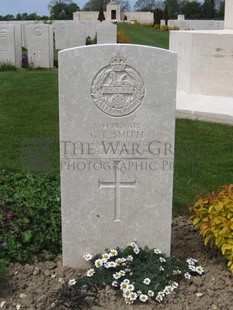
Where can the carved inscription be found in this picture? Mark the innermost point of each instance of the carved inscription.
(118, 89)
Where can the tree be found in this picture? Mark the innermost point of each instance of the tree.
(158, 15)
(192, 10)
(144, 5)
(166, 14)
(101, 16)
(208, 9)
(173, 7)
(94, 5)
(221, 11)
(62, 9)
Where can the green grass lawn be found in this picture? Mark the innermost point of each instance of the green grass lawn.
(29, 131)
(146, 36)
(29, 116)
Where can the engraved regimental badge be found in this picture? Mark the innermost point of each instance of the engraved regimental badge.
(118, 89)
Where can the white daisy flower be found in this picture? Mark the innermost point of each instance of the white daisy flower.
(106, 256)
(72, 282)
(157, 251)
(199, 270)
(161, 268)
(151, 293)
(116, 275)
(133, 296)
(90, 272)
(130, 287)
(113, 252)
(115, 283)
(136, 250)
(174, 285)
(98, 263)
(143, 297)
(162, 260)
(187, 275)
(123, 286)
(129, 258)
(87, 257)
(146, 281)
(126, 281)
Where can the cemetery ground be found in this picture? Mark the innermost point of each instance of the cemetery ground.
(30, 197)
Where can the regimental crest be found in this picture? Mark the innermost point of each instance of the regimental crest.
(118, 89)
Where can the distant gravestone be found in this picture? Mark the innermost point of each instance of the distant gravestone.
(117, 122)
(11, 44)
(106, 33)
(40, 45)
(69, 34)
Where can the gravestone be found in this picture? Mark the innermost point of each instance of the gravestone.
(69, 34)
(106, 33)
(117, 122)
(40, 45)
(11, 44)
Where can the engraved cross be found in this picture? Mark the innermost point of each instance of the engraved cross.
(117, 184)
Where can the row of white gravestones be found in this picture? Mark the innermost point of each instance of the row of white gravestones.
(39, 40)
(117, 122)
(39, 43)
(11, 44)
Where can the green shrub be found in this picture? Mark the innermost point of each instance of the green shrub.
(123, 37)
(29, 216)
(90, 41)
(157, 26)
(213, 215)
(7, 66)
(164, 27)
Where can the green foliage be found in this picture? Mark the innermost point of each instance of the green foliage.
(166, 14)
(144, 5)
(158, 15)
(208, 9)
(79, 296)
(213, 215)
(3, 273)
(192, 10)
(29, 216)
(101, 16)
(138, 274)
(62, 9)
(123, 37)
(7, 66)
(90, 41)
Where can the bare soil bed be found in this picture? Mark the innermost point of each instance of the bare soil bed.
(31, 286)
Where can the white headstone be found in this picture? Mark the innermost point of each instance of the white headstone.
(69, 34)
(106, 33)
(228, 18)
(117, 122)
(11, 44)
(40, 45)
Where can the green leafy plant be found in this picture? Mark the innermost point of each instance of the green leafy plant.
(7, 66)
(76, 294)
(30, 220)
(213, 215)
(138, 274)
(123, 37)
